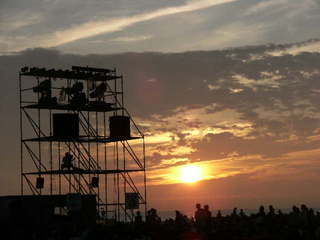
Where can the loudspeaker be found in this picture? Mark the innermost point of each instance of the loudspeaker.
(119, 127)
(40, 182)
(65, 125)
(95, 182)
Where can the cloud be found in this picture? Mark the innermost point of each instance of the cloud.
(94, 28)
(268, 79)
(131, 39)
(20, 21)
(231, 35)
(295, 49)
(265, 6)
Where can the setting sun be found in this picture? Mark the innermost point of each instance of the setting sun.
(190, 174)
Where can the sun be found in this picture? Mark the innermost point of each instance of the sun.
(190, 174)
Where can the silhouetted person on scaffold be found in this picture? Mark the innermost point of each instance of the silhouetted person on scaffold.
(67, 161)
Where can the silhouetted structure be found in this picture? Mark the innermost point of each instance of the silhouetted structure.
(42, 209)
(36, 215)
(67, 146)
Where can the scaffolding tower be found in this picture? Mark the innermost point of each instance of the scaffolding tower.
(67, 147)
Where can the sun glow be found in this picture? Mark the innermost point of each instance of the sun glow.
(190, 174)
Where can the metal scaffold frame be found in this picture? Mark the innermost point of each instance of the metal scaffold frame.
(111, 166)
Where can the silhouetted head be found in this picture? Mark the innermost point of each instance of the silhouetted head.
(303, 207)
(261, 209)
(296, 209)
(219, 214)
(198, 206)
(206, 207)
(271, 209)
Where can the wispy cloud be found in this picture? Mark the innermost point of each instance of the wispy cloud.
(264, 5)
(24, 19)
(131, 39)
(295, 49)
(94, 28)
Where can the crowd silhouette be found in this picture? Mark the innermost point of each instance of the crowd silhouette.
(299, 223)
(266, 224)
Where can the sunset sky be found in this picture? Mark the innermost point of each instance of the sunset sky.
(229, 86)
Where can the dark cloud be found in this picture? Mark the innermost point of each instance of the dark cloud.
(219, 146)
